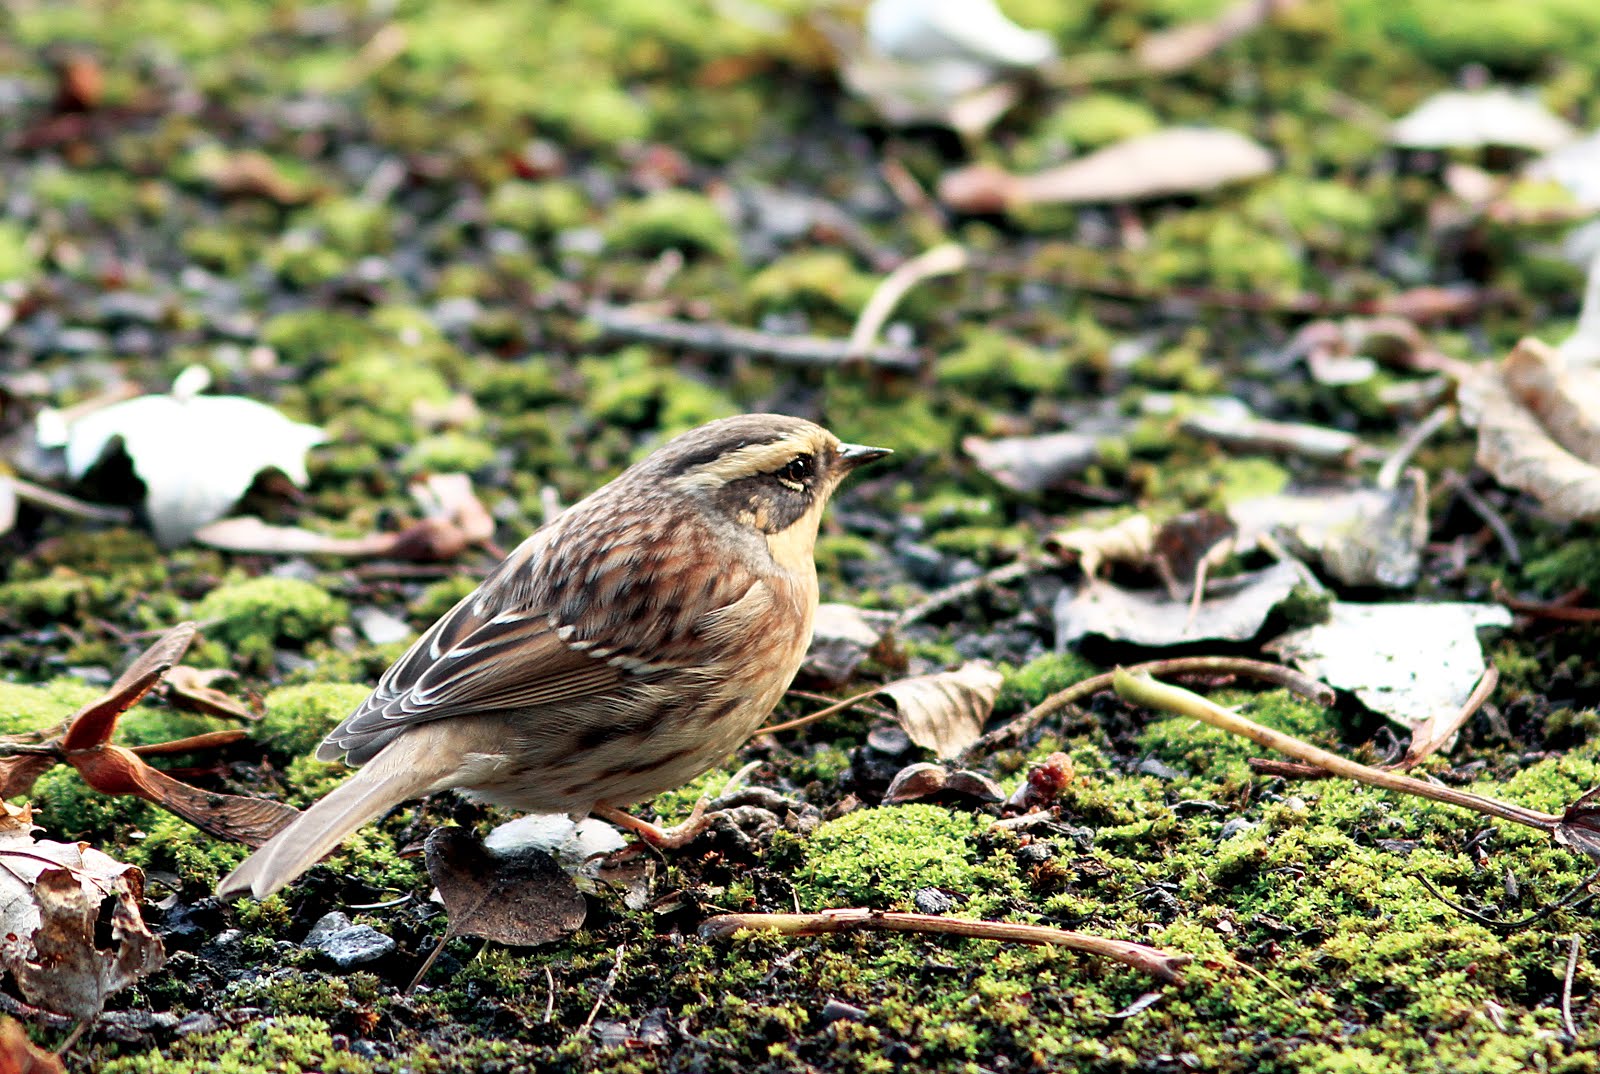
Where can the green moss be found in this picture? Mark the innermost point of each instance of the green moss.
(36, 708)
(18, 261)
(813, 281)
(880, 857)
(538, 208)
(448, 453)
(289, 1044)
(990, 360)
(369, 397)
(633, 389)
(297, 718)
(172, 845)
(69, 808)
(104, 196)
(62, 594)
(1099, 119)
(275, 610)
(439, 597)
(1220, 250)
(670, 220)
(1323, 214)
(1036, 680)
(1573, 563)
(988, 545)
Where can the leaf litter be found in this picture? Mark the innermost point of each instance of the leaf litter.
(51, 899)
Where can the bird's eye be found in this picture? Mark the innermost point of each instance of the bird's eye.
(796, 473)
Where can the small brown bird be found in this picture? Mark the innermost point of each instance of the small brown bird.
(623, 649)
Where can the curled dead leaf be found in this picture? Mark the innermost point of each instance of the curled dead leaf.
(1538, 429)
(522, 898)
(945, 712)
(190, 688)
(52, 897)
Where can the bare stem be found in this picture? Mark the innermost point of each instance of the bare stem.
(1163, 965)
(1143, 690)
(820, 714)
(1304, 685)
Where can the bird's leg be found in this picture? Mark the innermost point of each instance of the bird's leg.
(665, 838)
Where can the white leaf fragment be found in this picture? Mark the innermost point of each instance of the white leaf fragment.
(1413, 663)
(196, 454)
(976, 31)
(1472, 119)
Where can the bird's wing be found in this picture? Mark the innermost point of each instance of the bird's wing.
(552, 624)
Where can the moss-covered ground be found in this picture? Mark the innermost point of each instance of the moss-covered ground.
(361, 213)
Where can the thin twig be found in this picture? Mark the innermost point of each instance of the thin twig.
(427, 963)
(716, 338)
(72, 1038)
(1389, 472)
(1553, 610)
(549, 995)
(1307, 687)
(1011, 572)
(1489, 516)
(820, 714)
(1143, 690)
(1421, 749)
(942, 260)
(605, 992)
(1566, 902)
(1566, 988)
(67, 505)
(1163, 965)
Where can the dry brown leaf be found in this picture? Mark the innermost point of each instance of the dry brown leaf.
(109, 769)
(1130, 541)
(1184, 46)
(51, 899)
(190, 688)
(522, 898)
(19, 1055)
(1178, 160)
(945, 712)
(1537, 428)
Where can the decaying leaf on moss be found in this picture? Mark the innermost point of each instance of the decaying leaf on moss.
(51, 899)
(945, 712)
(1538, 422)
(84, 743)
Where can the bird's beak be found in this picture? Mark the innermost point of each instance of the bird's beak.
(852, 455)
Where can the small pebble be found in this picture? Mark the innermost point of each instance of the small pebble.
(932, 901)
(347, 945)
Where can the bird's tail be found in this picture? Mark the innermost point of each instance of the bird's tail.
(409, 767)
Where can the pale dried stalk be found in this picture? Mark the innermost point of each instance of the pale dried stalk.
(1307, 687)
(942, 260)
(1143, 690)
(1160, 964)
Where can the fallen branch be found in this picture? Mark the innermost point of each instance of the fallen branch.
(1307, 687)
(716, 338)
(1578, 827)
(1163, 965)
(1011, 572)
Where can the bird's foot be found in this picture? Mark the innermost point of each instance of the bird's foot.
(679, 835)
